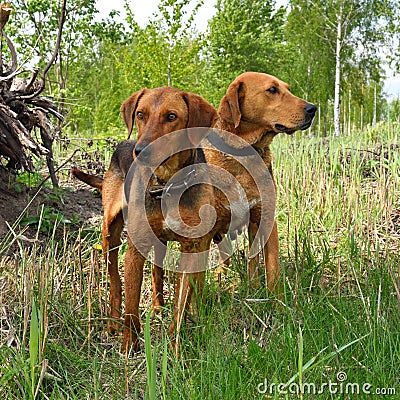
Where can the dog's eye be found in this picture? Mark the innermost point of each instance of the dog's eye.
(139, 115)
(273, 90)
(171, 117)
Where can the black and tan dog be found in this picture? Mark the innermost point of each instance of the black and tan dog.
(158, 112)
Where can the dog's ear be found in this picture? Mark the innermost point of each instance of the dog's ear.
(229, 108)
(201, 114)
(128, 109)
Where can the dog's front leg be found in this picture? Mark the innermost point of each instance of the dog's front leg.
(157, 278)
(133, 273)
(271, 260)
(111, 240)
(252, 267)
(189, 277)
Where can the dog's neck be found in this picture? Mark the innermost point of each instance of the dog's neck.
(161, 185)
(165, 171)
(258, 137)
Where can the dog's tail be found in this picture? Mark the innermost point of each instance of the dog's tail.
(91, 180)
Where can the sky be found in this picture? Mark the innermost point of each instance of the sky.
(143, 13)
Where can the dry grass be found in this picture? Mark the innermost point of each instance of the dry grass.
(338, 213)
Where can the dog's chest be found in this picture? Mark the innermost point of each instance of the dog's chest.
(239, 206)
(188, 216)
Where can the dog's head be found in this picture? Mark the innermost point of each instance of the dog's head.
(161, 111)
(265, 102)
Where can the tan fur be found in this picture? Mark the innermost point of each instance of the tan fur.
(256, 108)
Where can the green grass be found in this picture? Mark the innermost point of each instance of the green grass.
(339, 313)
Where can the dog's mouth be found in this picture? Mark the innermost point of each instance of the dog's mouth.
(281, 128)
(305, 125)
(147, 158)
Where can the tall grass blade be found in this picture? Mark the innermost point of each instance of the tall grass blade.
(312, 364)
(164, 364)
(300, 361)
(34, 344)
(150, 362)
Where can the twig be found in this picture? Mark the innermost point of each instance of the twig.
(49, 64)
(32, 79)
(56, 170)
(13, 74)
(13, 62)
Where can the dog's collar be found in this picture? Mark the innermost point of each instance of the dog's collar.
(220, 144)
(165, 188)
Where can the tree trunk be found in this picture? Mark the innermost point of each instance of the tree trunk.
(336, 111)
(169, 69)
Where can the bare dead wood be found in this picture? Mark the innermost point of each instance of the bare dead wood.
(13, 62)
(46, 129)
(23, 110)
(51, 61)
(5, 11)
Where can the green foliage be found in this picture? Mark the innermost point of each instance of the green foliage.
(47, 221)
(102, 62)
(30, 179)
(311, 34)
(244, 35)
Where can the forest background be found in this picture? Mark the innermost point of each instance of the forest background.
(336, 54)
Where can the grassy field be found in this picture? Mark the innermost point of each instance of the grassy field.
(334, 333)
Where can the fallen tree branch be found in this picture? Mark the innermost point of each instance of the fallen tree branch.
(22, 109)
(51, 61)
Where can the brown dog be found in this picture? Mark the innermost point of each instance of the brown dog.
(256, 108)
(158, 112)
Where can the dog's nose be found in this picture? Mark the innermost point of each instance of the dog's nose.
(310, 109)
(143, 153)
(139, 148)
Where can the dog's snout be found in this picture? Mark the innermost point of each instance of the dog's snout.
(310, 109)
(139, 148)
(143, 153)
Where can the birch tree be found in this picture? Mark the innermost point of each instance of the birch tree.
(352, 32)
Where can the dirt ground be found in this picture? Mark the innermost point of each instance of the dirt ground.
(75, 201)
